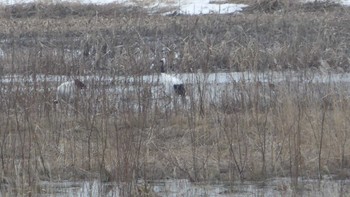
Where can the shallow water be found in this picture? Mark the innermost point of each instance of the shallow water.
(183, 187)
(214, 88)
(193, 78)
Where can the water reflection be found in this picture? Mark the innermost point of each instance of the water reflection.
(194, 78)
(228, 92)
(183, 187)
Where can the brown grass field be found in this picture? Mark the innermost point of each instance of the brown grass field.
(295, 133)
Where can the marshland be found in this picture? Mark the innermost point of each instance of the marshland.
(266, 98)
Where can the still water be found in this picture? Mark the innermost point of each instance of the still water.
(182, 187)
(214, 87)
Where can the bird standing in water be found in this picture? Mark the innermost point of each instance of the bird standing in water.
(174, 86)
(69, 90)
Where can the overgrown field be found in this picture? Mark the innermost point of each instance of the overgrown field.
(253, 130)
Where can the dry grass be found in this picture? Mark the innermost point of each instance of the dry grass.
(260, 131)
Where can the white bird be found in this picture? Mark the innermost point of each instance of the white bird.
(173, 85)
(67, 91)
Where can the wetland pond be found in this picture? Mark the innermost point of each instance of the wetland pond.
(216, 82)
(183, 187)
(214, 87)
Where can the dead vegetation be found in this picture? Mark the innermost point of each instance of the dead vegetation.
(270, 6)
(256, 130)
(63, 10)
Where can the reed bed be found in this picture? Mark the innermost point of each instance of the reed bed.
(252, 129)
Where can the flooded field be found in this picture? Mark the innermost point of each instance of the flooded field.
(238, 87)
(214, 87)
(175, 188)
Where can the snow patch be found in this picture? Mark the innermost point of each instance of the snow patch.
(206, 7)
(188, 7)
